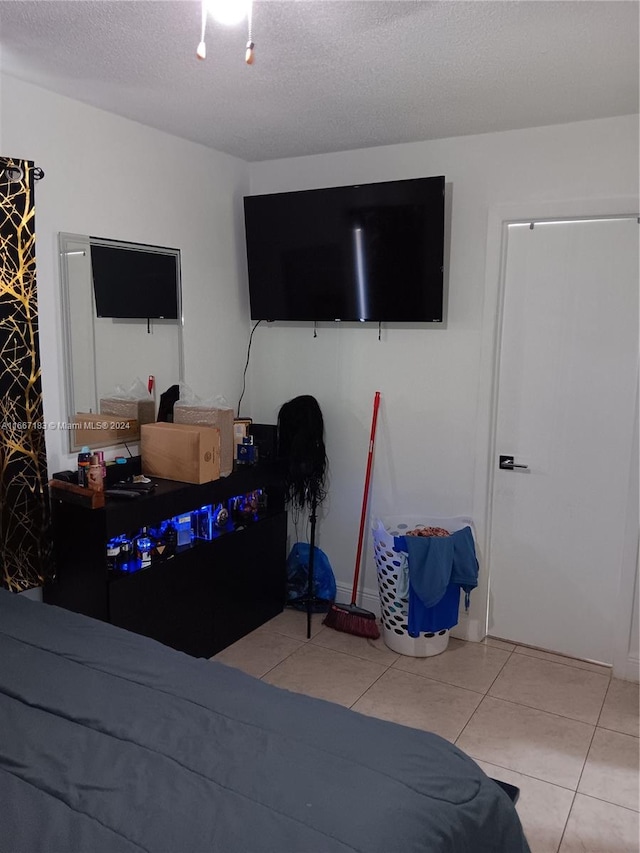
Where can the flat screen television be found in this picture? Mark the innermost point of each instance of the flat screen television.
(134, 281)
(370, 252)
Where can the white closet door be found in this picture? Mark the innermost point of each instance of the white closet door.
(567, 376)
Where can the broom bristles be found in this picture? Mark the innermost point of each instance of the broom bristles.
(351, 619)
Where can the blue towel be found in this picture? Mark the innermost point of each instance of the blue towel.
(431, 620)
(435, 563)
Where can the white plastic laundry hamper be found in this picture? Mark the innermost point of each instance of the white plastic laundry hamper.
(389, 564)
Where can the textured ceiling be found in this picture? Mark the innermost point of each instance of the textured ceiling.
(332, 75)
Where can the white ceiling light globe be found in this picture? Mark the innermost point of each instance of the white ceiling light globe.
(228, 12)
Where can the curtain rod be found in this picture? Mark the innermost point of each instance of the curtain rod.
(10, 167)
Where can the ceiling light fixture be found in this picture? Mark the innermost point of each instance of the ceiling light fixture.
(228, 13)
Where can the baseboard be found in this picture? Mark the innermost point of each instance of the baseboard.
(467, 629)
(631, 670)
(368, 599)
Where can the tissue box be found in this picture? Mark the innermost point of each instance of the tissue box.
(189, 454)
(221, 419)
(102, 430)
(143, 411)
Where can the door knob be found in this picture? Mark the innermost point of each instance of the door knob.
(507, 463)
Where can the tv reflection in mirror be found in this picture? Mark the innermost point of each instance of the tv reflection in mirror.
(134, 281)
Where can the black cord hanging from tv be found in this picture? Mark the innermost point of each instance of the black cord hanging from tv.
(246, 365)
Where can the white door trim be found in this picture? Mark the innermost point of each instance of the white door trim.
(500, 215)
(626, 655)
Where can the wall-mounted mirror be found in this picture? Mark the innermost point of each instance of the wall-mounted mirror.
(122, 320)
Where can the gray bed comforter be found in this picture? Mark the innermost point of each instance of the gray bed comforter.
(112, 743)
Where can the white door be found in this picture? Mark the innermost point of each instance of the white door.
(566, 399)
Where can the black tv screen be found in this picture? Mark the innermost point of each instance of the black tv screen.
(366, 252)
(135, 281)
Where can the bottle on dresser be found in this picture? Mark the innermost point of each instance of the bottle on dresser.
(94, 474)
(142, 547)
(83, 465)
(113, 554)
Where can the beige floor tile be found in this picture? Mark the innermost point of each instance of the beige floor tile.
(529, 741)
(499, 644)
(473, 666)
(293, 623)
(325, 674)
(550, 656)
(620, 710)
(361, 647)
(258, 652)
(413, 700)
(611, 771)
(543, 808)
(552, 687)
(598, 827)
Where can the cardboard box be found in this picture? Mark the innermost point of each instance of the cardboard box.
(189, 454)
(143, 411)
(221, 419)
(102, 430)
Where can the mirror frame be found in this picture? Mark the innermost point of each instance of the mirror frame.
(64, 239)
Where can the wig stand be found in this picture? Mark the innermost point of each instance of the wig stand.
(310, 601)
(301, 445)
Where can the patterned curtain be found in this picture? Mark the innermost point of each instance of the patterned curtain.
(25, 535)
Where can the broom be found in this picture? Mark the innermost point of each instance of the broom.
(350, 618)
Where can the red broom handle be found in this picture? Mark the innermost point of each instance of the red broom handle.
(367, 480)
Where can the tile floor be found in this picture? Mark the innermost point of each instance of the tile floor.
(563, 731)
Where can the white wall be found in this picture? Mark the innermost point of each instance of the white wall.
(426, 452)
(110, 177)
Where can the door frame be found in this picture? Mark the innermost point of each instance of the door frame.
(499, 217)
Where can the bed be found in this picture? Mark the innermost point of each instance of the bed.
(113, 743)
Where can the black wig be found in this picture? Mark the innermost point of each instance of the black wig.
(301, 444)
